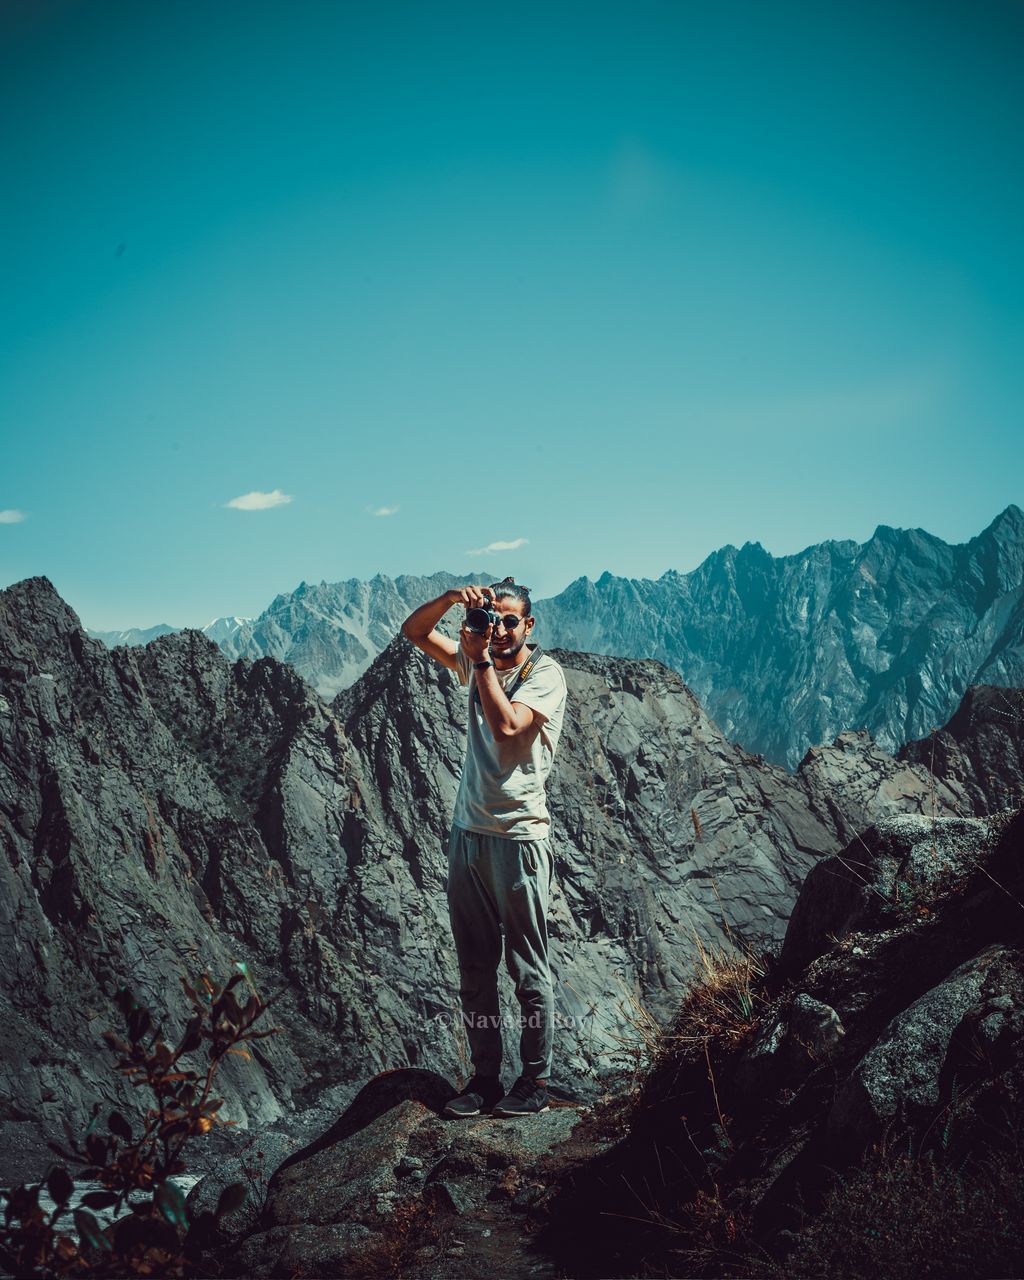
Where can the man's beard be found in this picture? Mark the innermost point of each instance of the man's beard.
(510, 651)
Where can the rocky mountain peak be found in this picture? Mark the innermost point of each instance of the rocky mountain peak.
(36, 600)
(1008, 524)
(784, 652)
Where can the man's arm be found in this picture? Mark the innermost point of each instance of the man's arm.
(507, 720)
(420, 624)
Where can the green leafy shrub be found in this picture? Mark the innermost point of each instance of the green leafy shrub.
(155, 1238)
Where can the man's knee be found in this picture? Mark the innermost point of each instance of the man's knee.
(532, 983)
(476, 976)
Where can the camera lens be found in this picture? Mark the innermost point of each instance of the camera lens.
(478, 620)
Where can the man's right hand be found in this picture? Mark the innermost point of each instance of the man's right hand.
(421, 625)
(471, 597)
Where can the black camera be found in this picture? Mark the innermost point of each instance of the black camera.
(478, 620)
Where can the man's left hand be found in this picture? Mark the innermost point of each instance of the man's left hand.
(474, 646)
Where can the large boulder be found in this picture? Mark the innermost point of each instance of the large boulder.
(980, 751)
(899, 865)
(901, 1073)
(393, 1166)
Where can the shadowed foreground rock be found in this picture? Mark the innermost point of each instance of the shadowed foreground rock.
(396, 1186)
(906, 1029)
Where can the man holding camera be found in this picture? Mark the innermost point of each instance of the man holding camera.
(500, 864)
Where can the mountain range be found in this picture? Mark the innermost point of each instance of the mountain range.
(784, 652)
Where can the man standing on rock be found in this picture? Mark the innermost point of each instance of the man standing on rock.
(500, 864)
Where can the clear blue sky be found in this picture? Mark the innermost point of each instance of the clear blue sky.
(629, 281)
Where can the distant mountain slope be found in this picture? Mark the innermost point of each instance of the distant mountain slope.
(786, 652)
(219, 630)
(332, 632)
(783, 652)
(133, 636)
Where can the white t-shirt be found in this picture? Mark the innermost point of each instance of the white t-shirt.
(501, 791)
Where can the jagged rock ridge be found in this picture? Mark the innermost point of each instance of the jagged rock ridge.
(162, 809)
(784, 652)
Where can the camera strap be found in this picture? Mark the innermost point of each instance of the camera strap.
(536, 653)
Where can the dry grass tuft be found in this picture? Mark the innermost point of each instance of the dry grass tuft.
(720, 1008)
(715, 1240)
(415, 1224)
(721, 1005)
(641, 1046)
(904, 1215)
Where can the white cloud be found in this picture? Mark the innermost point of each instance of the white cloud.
(11, 516)
(257, 501)
(514, 545)
(383, 511)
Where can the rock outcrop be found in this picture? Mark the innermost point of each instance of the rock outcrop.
(164, 811)
(871, 1081)
(980, 750)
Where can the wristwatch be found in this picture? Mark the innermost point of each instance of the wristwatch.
(479, 666)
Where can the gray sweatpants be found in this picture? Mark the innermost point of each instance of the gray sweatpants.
(494, 882)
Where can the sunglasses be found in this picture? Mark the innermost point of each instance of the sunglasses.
(510, 621)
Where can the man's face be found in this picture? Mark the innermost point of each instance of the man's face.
(506, 643)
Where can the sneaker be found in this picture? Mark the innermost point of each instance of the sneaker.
(525, 1098)
(479, 1095)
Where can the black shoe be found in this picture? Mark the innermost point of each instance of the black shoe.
(479, 1095)
(525, 1098)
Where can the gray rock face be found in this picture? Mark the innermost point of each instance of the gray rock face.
(895, 867)
(901, 1071)
(814, 1026)
(164, 811)
(314, 1250)
(262, 1153)
(141, 842)
(872, 784)
(980, 750)
(347, 1177)
(329, 1211)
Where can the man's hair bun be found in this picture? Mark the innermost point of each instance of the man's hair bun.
(509, 589)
